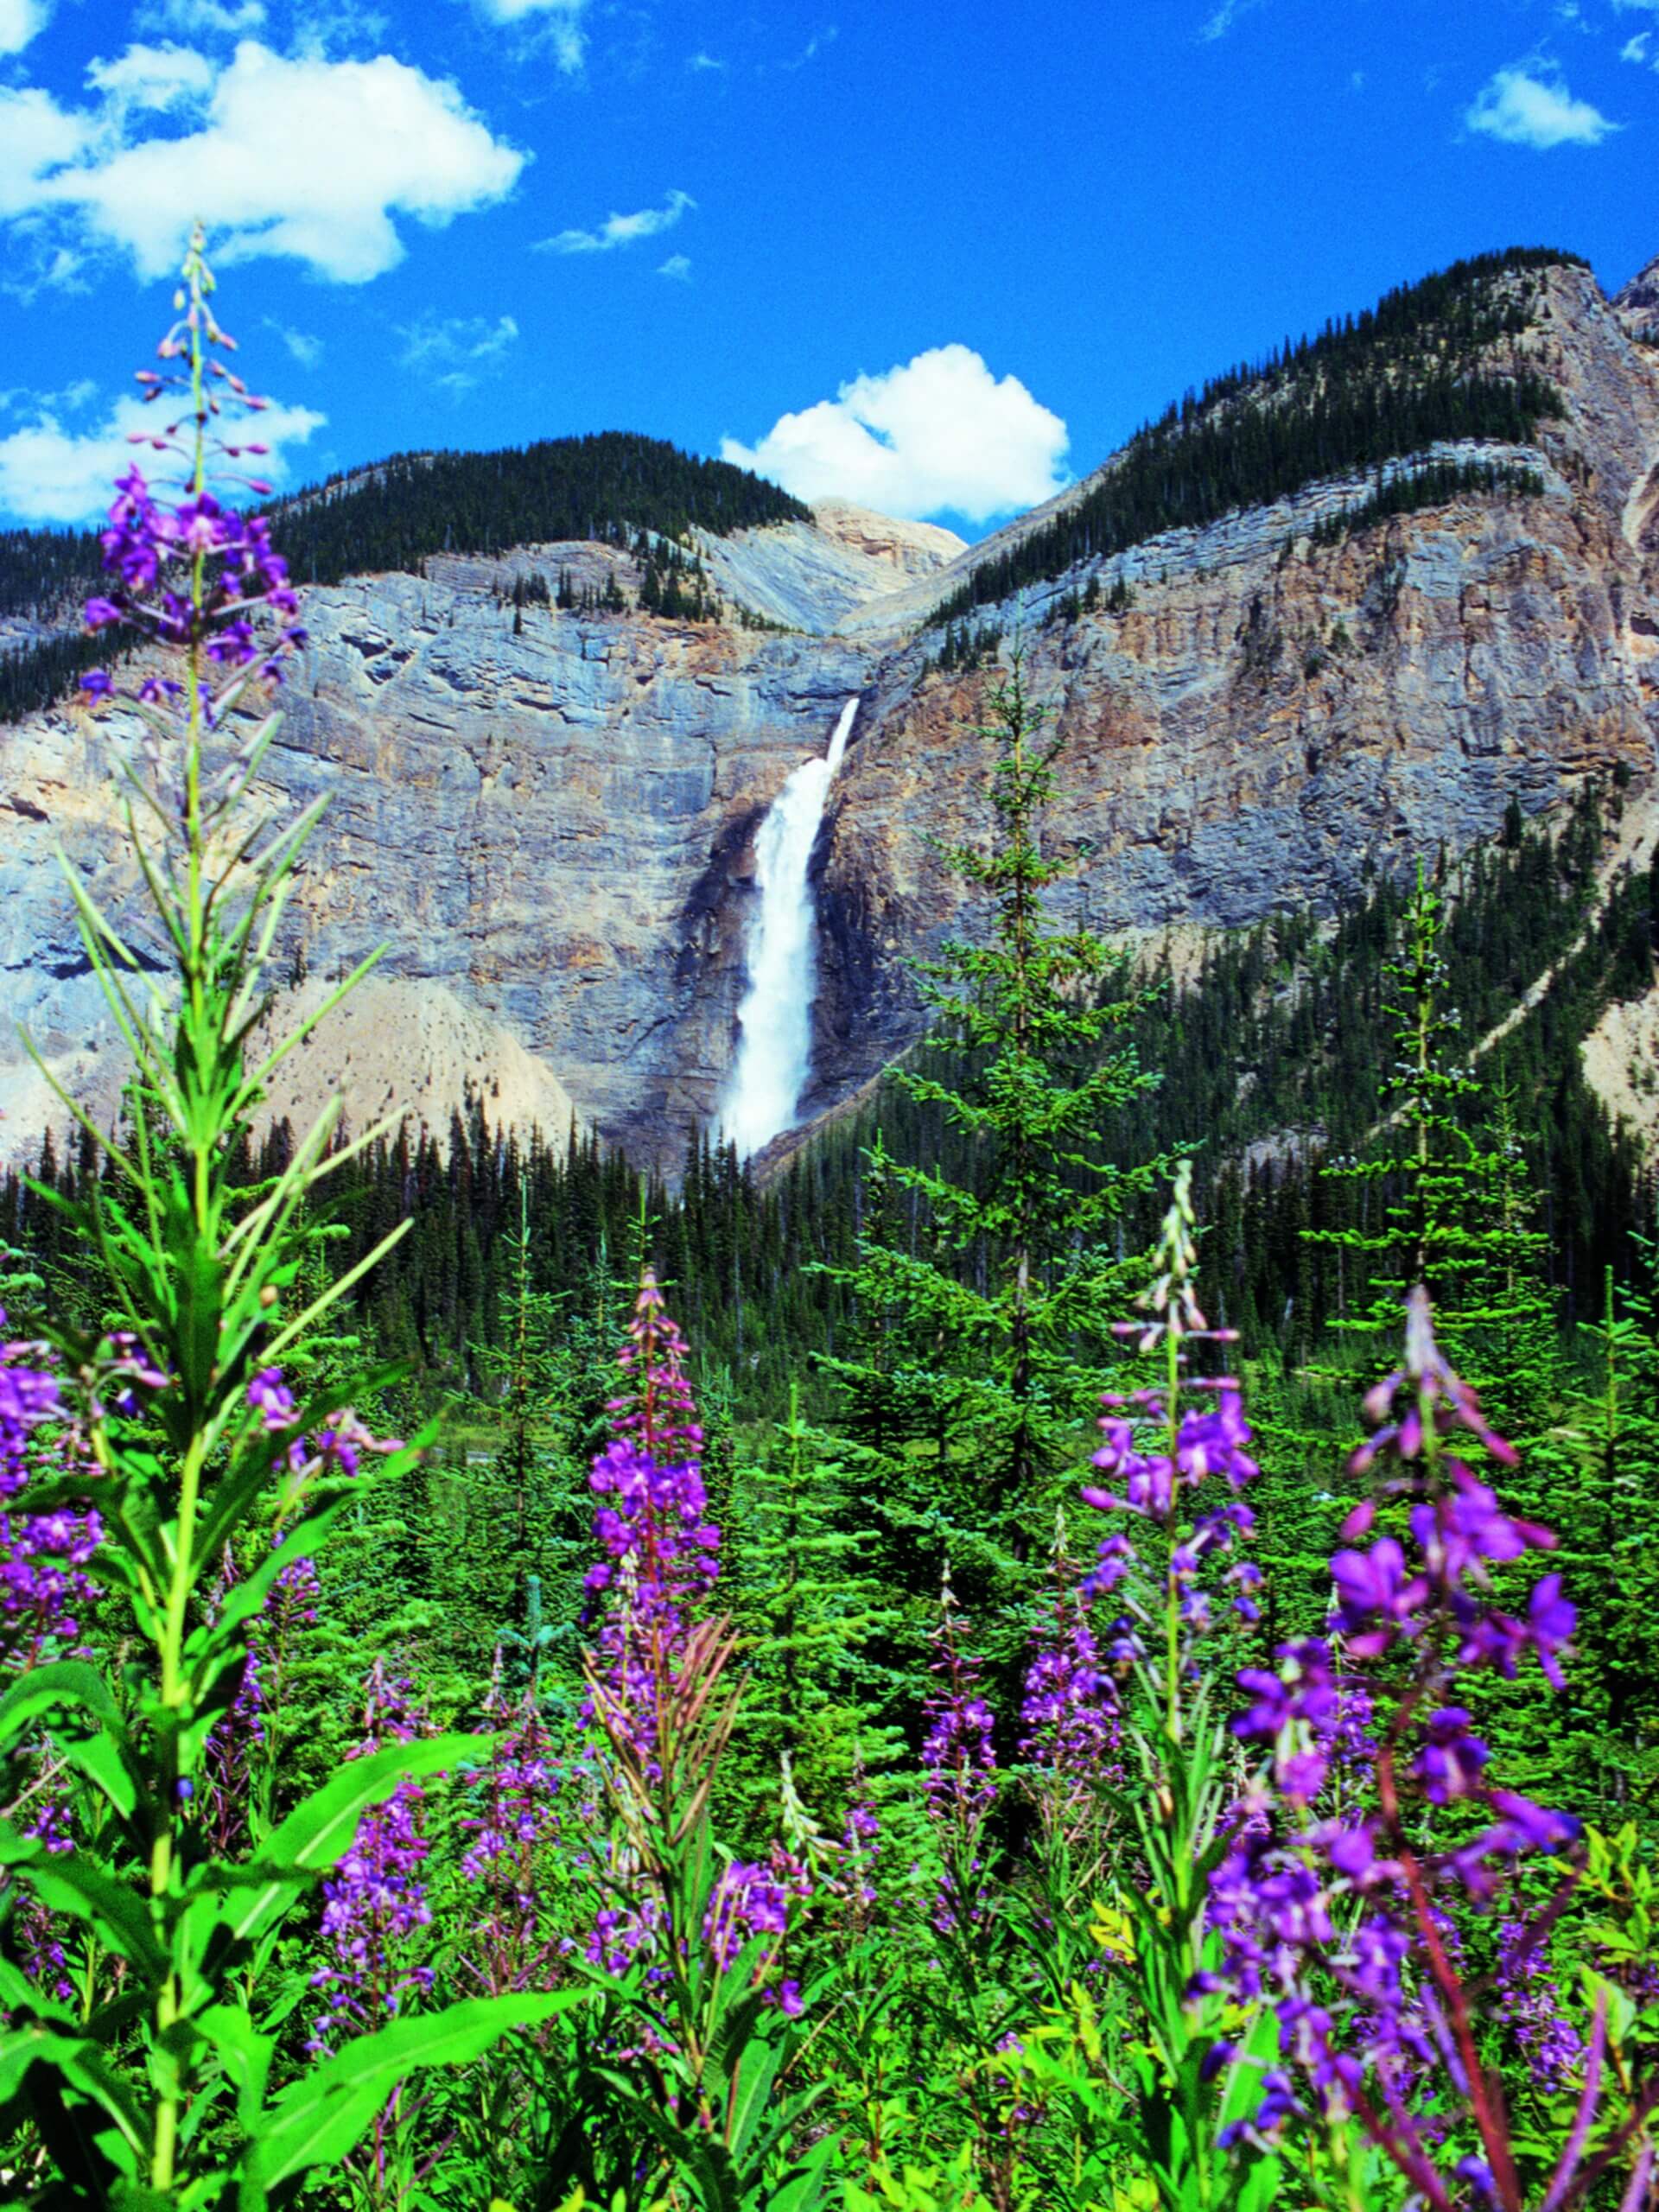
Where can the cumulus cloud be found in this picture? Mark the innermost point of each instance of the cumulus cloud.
(202, 18)
(153, 78)
(35, 136)
(21, 21)
(1523, 108)
(456, 352)
(560, 19)
(679, 266)
(619, 230)
(50, 473)
(702, 63)
(938, 432)
(305, 159)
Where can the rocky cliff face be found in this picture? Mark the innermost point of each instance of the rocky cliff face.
(1274, 715)
(549, 819)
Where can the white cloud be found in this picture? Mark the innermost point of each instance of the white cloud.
(48, 474)
(306, 159)
(21, 21)
(457, 352)
(1636, 49)
(202, 18)
(155, 78)
(938, 432)
(326, 28)
(1222, 19)
(678, 265)
(703, 63)
(560, 19)
(814, 47)
(302, 346)
(80, 393)
(1523, 109)
(620, 230)
(35, 137)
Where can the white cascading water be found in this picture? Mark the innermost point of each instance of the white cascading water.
(774, 1023)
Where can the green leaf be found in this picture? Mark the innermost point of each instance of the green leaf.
(46, 1689)
(318, 1832)
(71, 1882)
(244, 2054)
(81, 2065)
(107, 1764)
(804, 2184)
(319, 2121)
(246, 1596)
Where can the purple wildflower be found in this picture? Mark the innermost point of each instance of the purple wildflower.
(1345, 1924)
(44, 1585)
(508, 1839)
(660, 1555)
(186, 570)
(375, 1903)
(960, 1763)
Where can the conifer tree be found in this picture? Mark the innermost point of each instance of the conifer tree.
(1017, 1303)
(1455, 1204)
(810, 1607)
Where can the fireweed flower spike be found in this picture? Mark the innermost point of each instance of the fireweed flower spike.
(695, 1937)
(1071, 1711)
(45, 1589)
(1159, 1449)
(961, 1769)
(188, 571)
(375, 1903)
(1346, 1920)
(1173, 1462)
(508, 1840)
(659, 1555)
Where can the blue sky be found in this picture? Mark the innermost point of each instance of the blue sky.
(939, 257)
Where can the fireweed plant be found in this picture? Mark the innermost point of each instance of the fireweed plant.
(1351, 1917)
(1125, 1712)
(152, 2086)
(690, 1943)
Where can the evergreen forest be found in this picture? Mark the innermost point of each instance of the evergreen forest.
(614, 487)
(1427, 365)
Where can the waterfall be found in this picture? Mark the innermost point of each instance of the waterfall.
(774, 1023)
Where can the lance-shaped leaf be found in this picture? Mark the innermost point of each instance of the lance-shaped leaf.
(319, 2121)
(71, 1882)
(80, 2064)
(318, 1833)
(65, 1684)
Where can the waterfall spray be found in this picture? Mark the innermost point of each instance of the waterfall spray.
(774, 1023)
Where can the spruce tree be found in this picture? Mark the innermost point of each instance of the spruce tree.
(1005, 1323)
(798, 1550)
(1454, 1204)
